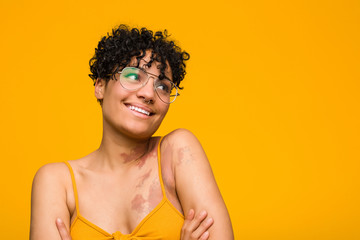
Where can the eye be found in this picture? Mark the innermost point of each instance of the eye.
(164, 86)
(131, 76)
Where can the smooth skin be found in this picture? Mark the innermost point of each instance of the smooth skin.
(122, 177)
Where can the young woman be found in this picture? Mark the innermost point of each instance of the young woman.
(136, 185)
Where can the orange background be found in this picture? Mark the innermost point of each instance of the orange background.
(272, 92)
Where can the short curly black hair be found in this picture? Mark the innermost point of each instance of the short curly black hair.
(116, 50)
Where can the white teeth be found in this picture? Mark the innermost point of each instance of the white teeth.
(139, 110)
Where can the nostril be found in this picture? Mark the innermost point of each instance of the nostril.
(148, 101)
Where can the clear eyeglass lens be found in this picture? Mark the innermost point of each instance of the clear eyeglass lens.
(134, 78)
(166, 90)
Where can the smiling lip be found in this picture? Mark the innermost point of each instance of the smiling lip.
(140, 109)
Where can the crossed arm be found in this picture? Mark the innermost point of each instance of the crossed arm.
(195, 183)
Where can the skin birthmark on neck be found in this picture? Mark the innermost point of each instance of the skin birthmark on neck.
(141, 162)
(144, 158)
(138, 153)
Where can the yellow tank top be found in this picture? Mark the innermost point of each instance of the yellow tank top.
(163, 222)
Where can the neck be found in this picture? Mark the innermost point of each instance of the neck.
(117, 150)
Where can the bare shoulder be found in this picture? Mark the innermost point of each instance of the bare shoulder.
(180, 139)
(49, 200)
(52, 180)
(57, 168)
(180, 134)
(185, 147)
(51, 173)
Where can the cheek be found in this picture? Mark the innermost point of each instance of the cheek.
(164, 111)
(161, 113)
(111, 102)
(162, 116)
(115, 93)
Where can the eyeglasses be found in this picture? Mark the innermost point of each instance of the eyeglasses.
(132, 79)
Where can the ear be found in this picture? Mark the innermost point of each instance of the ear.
(99, 88)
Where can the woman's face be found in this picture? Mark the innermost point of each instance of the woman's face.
(123, 110)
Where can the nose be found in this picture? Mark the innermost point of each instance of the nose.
(147, 92)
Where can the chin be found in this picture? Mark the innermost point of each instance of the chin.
(140, 135)
(137, 131)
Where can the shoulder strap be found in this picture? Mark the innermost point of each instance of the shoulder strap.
(159, 167)
(74, 187)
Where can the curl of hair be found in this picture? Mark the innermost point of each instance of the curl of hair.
(116, 50)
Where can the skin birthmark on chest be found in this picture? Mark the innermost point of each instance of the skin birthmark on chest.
(143, 179)
(155, 193)
(138, 204)
(144, 206)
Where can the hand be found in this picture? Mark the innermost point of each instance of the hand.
(196, 227)
(64, 234)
